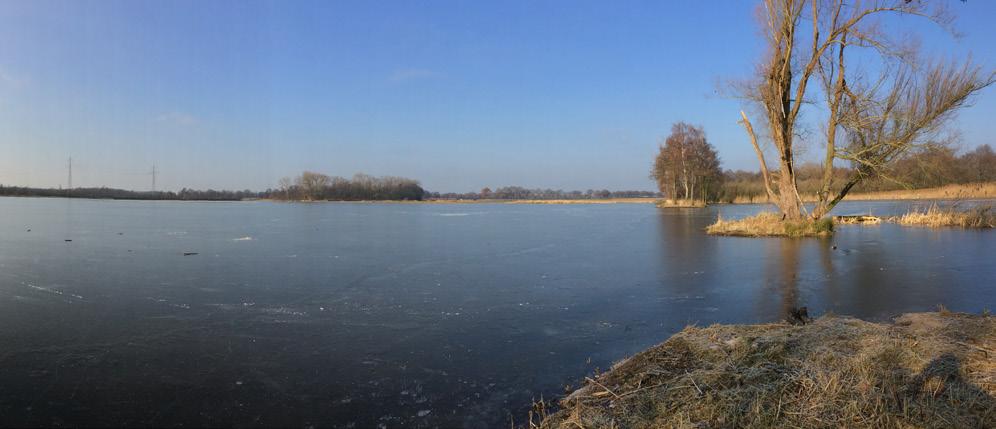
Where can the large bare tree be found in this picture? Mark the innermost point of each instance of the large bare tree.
(313, 185)
(875, 113)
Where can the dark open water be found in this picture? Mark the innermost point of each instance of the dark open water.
(403, 314)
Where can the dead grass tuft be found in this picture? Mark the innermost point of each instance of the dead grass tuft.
(769, 224)
(923, 370)
(978, 217)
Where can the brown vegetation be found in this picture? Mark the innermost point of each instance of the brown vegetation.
(977, 217)
(949, 192)
(924, 370)
(932, 167)
(769, 224)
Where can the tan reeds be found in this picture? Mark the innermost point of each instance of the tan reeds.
(935, 216)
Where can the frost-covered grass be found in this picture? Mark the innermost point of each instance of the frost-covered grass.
(925, 370)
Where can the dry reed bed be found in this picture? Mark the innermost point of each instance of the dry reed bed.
(924, 370)
(950, 192)
(978, 217)
(984, 190)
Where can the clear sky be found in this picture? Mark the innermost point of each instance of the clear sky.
(457, 94)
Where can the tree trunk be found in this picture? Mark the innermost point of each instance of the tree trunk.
(788, 194)
(825, 208)
(684, 171)
(760, 157)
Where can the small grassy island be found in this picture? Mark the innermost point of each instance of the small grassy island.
(921, 370)
(769, 224)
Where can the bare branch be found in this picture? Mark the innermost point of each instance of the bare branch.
(760, 155)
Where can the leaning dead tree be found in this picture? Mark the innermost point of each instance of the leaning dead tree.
(876, 109)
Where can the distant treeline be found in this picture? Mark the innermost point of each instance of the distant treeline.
(313, 186)
(122, 194)
(931, 167)
(520, 193)
(308, 186)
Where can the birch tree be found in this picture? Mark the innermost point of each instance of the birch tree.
(687, 166)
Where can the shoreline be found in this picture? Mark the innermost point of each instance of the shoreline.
(966, 191)
(919, 370)
(969, 191)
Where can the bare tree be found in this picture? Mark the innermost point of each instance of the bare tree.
(687, 166)
(286, 184)
(313, 184)
(872, 117)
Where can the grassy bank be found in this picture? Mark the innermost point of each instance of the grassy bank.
(769, 224)
(922, 370)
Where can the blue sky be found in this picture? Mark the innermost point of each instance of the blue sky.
(457, 94)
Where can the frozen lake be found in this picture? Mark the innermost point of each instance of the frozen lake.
(404, 314)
